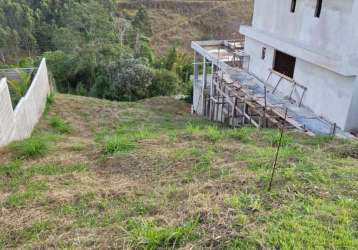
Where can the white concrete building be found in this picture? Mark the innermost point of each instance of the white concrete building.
(314, 42)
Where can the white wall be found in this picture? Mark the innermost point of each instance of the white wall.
(330, 95)
(18, 124)
(326, 33)
(6, 113)
(198, 102)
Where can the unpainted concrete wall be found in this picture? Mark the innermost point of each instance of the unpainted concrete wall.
(198, 101)
(18, 124)
(330, 95)
(328, 32)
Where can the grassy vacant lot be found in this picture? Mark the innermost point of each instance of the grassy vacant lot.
(147, 175)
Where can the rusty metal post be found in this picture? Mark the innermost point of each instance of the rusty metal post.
(274, 166)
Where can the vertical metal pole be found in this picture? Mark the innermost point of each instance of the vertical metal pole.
(265, 108)
(334, 129)
(211, 106)
(195, 67)
(244, 112)
(277, 152)
(204, 72)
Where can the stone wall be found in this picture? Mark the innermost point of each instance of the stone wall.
(18, 124)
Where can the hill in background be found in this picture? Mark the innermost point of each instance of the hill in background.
(178, 22)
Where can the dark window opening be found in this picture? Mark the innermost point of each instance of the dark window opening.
(318, 8)
(293, 6)
(263, 53)
(285, 64)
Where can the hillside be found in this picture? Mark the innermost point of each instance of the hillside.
(148, 175)
(178, 22)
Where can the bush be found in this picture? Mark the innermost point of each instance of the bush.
(130, 79)
(164, 83)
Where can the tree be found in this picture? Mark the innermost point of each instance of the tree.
(141, 22)
(130, 79)
(170, 59)
(61, 66)
(67, 40)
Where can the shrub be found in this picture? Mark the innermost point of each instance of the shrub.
(164, 83)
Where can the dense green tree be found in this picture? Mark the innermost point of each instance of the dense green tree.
(130, 79)
(61, 66)
(141, 22)
(170, 59)
(67, 40)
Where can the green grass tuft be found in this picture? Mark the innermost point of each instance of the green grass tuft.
(60, 125)
(119, 144)
(145, 235)
(274, 139)
(192, 128)
(242, 134)
(30, 148)
(214, 133)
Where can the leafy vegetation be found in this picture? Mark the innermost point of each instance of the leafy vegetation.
(19, 87)
(60, 125)
(118, 143)
(32, 147)
(90, 49)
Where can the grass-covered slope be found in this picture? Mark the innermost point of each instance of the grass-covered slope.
(147, 175)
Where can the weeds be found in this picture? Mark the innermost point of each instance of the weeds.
(214, 134)
(192, 128)
(20, 198)
(146, 235)
(60, 125)
(37, 230)
(33, 147)
(274, 139)
(345, 150)
(56, 169)
(118, 144)
(242, 134)
(141, 198)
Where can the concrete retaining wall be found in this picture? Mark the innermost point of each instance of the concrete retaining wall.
(18, 124)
